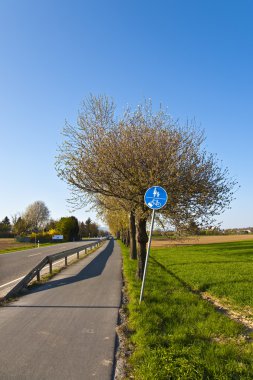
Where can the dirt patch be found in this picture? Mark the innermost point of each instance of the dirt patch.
(243, 316)
(6, 244)
(124, 349)
(202, 240)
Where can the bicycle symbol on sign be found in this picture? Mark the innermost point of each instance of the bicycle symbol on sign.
(155, 203)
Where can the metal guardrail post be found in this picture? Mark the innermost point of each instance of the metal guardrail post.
(25, 281)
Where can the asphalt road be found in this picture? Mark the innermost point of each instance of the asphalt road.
(17, 264)
(66, 328)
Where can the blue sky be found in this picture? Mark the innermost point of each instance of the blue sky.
(193, 56)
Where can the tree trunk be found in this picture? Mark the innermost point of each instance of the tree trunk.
(132, 229)
(127, 238)
(122, 236)
(142, 238)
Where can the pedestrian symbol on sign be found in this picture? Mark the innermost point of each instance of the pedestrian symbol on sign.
(156, 194)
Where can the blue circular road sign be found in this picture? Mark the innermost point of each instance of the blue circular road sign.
(155, 197)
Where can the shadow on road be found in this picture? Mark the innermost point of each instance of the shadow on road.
(93, 269)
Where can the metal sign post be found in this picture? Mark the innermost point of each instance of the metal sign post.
(147, 255)
(155, 198)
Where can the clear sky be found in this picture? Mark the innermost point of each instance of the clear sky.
(193, 56)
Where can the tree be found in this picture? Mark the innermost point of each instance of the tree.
(88, 229)
(82, 230)
(5, 225)
(6, 222)
(50, 225)
(69, 228)
(118, 221)
(19, 226)
(94, 229)
(120, 159)
(36, 216)
(121, 220)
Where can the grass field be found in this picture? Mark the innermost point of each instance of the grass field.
(223, 270)
(175, 333)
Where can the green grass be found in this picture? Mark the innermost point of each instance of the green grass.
(175, 333)
(224, 270)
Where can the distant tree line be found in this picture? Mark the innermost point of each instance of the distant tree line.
(35, 224)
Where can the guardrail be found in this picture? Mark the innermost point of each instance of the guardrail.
(49, 260)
